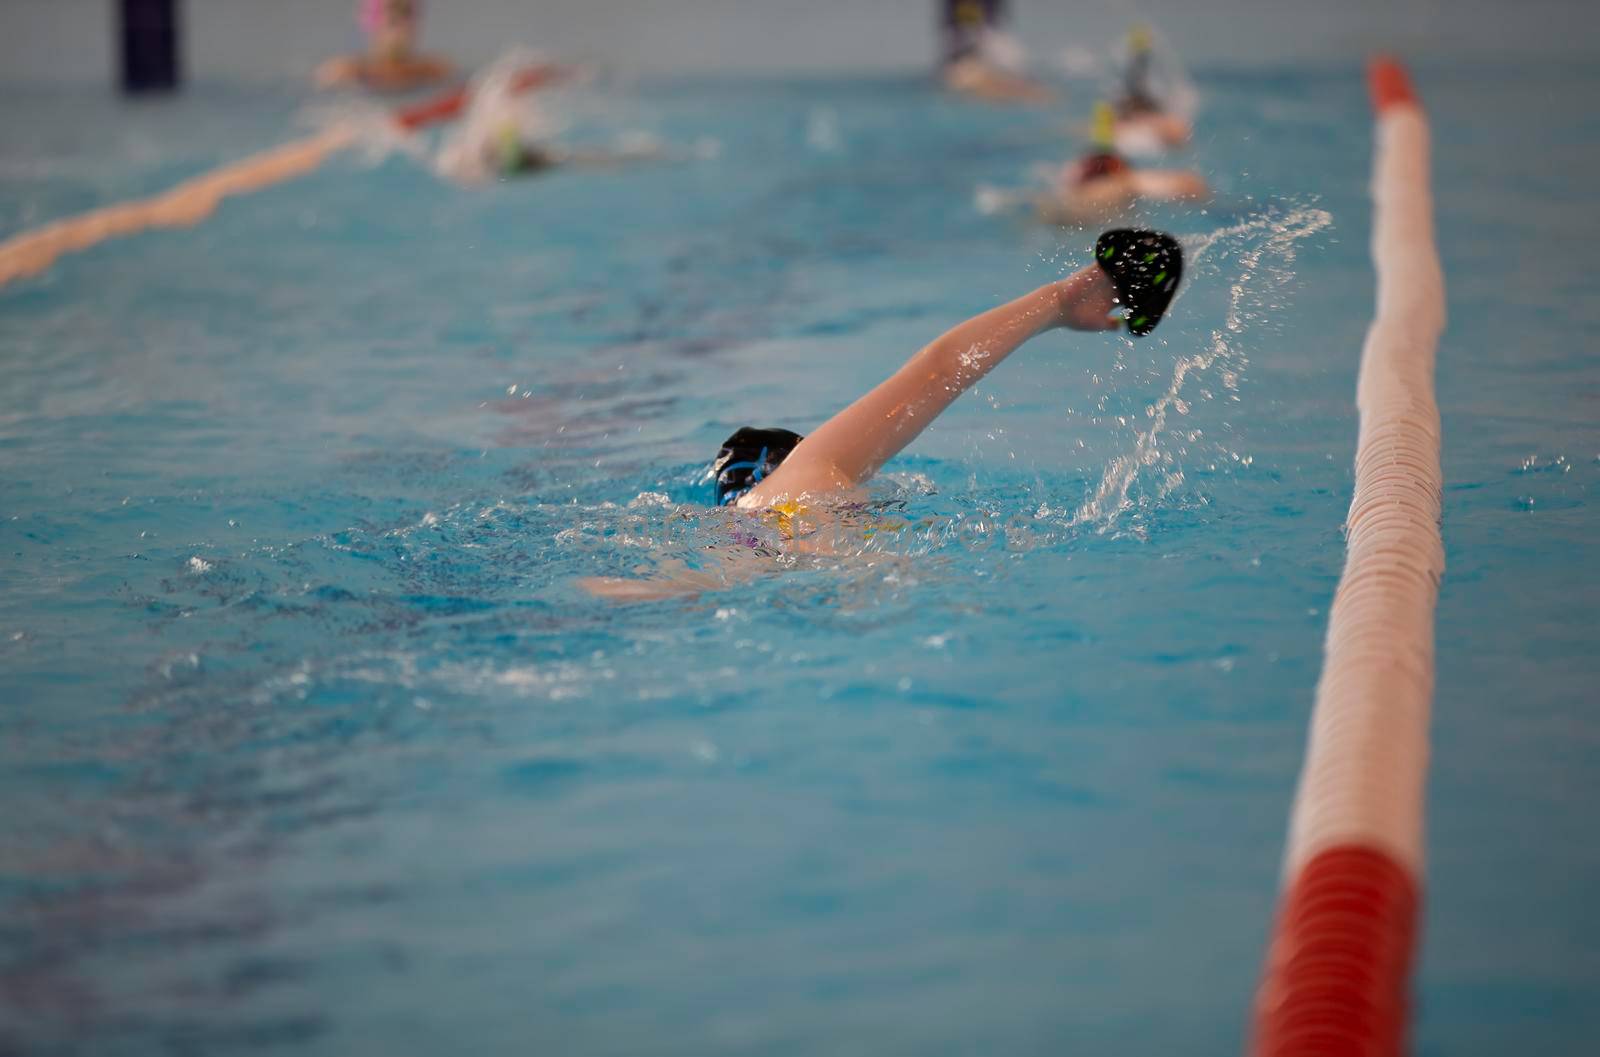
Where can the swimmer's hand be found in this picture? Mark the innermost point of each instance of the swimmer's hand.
(1085, 300)
(674, 579)
(622, 589)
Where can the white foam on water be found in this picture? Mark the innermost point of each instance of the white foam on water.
(822, 131)
(372, 128)
(990, 200)
(497, 105)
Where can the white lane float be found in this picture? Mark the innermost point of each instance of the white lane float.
(192, 201)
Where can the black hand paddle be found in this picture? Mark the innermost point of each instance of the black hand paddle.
(1145, 267)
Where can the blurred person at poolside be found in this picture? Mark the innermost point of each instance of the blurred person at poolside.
(392, 63)
(980, 59)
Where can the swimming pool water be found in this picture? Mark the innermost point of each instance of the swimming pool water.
(308, 742)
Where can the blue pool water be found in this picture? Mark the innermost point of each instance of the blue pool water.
(308, 743)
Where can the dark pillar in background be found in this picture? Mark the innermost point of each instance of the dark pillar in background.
(150, 34)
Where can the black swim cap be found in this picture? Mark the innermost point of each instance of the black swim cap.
(1145, 267)
(748, 456)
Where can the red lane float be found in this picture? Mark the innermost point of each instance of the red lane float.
(448, 105)
(1335, 982)
(1389, 84)
(1337, 972)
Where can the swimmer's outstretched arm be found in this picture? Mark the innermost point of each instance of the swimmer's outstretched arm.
(851, 446)
(598, 158)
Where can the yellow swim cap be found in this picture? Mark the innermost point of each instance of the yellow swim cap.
(1103, 132)
(508, 147)
(1139, 38)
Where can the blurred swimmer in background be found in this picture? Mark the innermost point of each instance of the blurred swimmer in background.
(1102, 183)
(1149, 111)
(391, 63)
(982, 60)
(807, 486)
(510, 131)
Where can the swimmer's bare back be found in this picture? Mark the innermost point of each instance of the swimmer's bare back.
(1168, 130)
(1075, 201)
(1087, 204)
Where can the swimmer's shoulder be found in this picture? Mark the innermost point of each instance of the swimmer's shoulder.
(812, 481)
(341, 70)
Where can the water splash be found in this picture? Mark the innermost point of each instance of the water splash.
(371, 127)
(822, 130)
(498, 105)
(1269, 250)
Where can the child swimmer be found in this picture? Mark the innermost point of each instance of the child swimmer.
(1142, 122)
(391, 63)
(805, 481)
(980, 60)
(508, 132)
(1101, 184)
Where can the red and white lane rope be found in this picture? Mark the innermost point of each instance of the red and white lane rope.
(1337, 972)
(192, 201)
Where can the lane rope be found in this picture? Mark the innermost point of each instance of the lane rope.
(31, 252)
(1337, 974)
